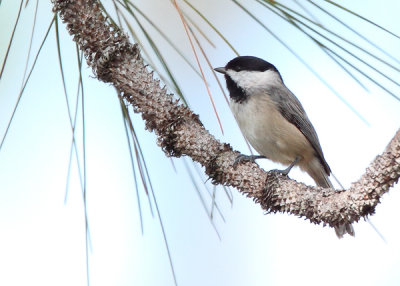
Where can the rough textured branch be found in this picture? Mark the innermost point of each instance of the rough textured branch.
(334, 207)
(115, 60)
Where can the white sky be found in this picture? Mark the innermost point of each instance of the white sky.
(42, 240)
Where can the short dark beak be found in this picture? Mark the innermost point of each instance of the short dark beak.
(221, 70)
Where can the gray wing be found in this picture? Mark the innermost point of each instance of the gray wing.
(291, 109)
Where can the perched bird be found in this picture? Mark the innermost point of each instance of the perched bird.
(274, 122)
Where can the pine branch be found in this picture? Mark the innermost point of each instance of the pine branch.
(115, 60)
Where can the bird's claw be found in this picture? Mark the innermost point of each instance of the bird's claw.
(246, 158)
(241, 158)
(284, 172)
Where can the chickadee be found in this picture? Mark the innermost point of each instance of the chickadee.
(274, 122)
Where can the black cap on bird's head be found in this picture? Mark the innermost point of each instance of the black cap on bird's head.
(247, 63)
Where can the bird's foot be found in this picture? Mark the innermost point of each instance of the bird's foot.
(286, 171)
(247, 158)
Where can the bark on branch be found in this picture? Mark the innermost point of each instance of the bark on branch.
(115, 60)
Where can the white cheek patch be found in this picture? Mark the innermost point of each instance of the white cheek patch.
(253, 81)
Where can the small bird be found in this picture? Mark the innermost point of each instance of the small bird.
(274, 122)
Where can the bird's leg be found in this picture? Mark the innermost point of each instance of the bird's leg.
(247, 158)
(286, 171)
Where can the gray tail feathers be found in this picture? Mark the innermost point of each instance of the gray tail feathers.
(342, 229)
(321, 178)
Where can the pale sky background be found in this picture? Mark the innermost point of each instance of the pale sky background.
(42, 239)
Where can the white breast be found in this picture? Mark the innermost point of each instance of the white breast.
(268, 131)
